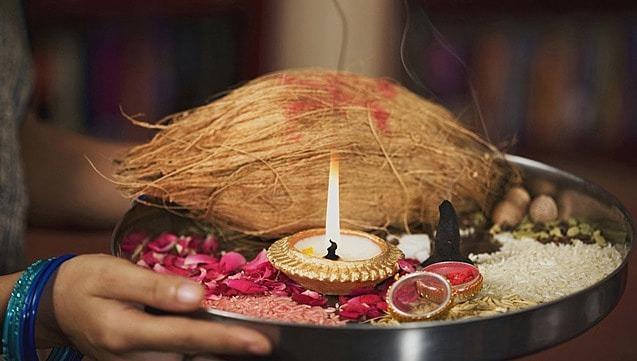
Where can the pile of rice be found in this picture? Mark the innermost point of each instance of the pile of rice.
(539, 272)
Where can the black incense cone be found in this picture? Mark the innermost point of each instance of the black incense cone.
(446, 245)
(331, 252)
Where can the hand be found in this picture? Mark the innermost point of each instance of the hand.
(97, 307)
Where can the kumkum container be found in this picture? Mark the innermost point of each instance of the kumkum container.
(466, 280)
(419, 296)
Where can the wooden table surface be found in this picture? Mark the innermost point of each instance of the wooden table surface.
(614, 338)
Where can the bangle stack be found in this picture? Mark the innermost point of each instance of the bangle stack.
(18, 331)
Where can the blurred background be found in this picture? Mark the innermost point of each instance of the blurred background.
(549, 76)
(551, 80)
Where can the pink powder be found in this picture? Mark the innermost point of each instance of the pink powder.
(276, 308)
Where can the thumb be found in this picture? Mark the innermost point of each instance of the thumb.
(121, 280)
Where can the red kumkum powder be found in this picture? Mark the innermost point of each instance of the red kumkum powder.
(456, 272)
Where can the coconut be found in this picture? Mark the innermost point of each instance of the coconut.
(256, 161)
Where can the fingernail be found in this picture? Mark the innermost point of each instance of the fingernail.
(188, 293)
(259, 348)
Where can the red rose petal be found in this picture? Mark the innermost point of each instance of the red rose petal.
(310, 298)
(370, 299)
(353, 311)
(373, 312)
(132, 240)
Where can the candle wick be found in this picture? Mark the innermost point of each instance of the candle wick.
(331, 252)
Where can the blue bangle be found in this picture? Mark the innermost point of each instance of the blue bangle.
(12, 332)
(26, 352)
(18, 331)
(33, 304)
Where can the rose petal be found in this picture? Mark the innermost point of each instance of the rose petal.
(274, 285)
(160, 269)
(179, 271)
(245, 286)
(371, 299)
(150, 258)
(406, 266)
(258, 262)
(309, 299)
(202, 275)
(163, 243)
(342, 300)
(197, 259)
(210, 245)
(353, 311)
(214, 275)
(231, 262)
(132, 240)
(373, 312)
(362, 291)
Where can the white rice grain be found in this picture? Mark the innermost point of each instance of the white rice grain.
(543, 272)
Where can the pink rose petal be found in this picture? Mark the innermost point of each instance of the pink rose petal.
(231, 262)
(163, 243)
(245, 286)
(202, 275)
(406, 266)
(210, 245)
(197, 259)
(260, 261)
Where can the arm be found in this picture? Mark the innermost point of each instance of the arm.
(6, 286)
(63, 188)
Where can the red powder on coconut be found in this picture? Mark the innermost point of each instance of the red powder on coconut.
(380, 116)
(386, 88)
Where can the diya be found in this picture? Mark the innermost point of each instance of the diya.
(334, 261)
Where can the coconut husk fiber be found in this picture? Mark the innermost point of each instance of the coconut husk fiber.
(256, 161)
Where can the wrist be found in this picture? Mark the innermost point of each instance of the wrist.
(22, 312)
(48, 332)
(6, 286)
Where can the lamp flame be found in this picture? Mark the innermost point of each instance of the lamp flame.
(332, 216)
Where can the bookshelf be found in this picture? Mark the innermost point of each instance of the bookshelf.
(149, 57)
(553, 78)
